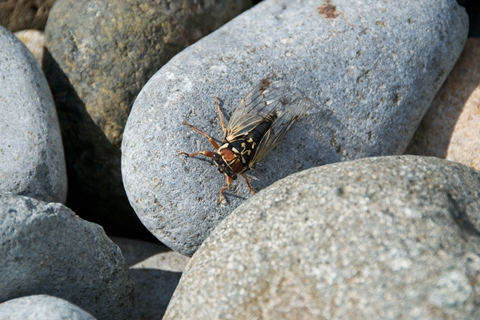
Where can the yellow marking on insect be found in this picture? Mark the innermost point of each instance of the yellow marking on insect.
(235, 150)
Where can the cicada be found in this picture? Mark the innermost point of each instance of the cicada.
(258, 124)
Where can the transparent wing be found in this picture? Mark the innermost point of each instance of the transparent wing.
(279, 128)
(262, 100)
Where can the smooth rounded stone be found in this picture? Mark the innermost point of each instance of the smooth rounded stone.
(155, 270)
(24, 14)
(31, 151)
(451, 127)
(100, 54)
(34, 41)
(371, 68)
(41, 307)
(378, 238)
(46, 249)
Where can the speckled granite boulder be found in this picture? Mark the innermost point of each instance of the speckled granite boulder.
(451, 127)
(46, 249)
(31, 152)
(155, 270)
(377, 238)
(41, 307)
(371, 68)
(100, 54)
(24, 14)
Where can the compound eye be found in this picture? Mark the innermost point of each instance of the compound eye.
(215, 156)
(233, 176)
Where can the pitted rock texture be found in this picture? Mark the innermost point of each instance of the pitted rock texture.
(378, 238)
(31, 152)
(100, 54)
(41, 307)
(371, 68)
(46, 249)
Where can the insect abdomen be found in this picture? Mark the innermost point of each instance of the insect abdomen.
(257, 134)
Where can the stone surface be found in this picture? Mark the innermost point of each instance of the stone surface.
(34, 41)
(31, 152)
(100, 54)
(41, 307)
(378, 238)
(451, 127)
(24, 14)
(371, 68)
(156, 270)
(46, 249)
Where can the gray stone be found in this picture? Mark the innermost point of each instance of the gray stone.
(371, 68)
(100, 54)
(41, 307)
(46, 249)
(31, 152)
(155, 270)
(378, 238)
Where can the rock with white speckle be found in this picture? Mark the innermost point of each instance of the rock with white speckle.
(378, 238)
(371, 68)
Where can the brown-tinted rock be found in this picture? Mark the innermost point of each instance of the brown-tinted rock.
(99, 55)
(18, 15)
(451, 127)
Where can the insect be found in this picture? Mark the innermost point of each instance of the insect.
(256, 126)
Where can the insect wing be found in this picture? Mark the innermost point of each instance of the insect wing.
(251, 111)
(279, 129)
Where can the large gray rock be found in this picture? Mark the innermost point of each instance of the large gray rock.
(41, 307)
(378, 238)
(371, 68)
(100, 54)
(46, 249)
(155, 270)
(31, 151)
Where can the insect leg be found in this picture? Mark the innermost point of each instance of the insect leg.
(228, 180)
(220, 114)
(214, 144)
(205, 153)
(248, 183)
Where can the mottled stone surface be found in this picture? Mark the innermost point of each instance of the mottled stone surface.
(34, 40)
(155, 270)
(451, 127)
(378, 238)
(100, 54)
(41, 307)
(46, 249)
(371, 68)
(18, 15)
(31, 153)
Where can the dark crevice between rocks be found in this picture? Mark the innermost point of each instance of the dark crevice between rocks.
(78, 130)
(473, 11)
